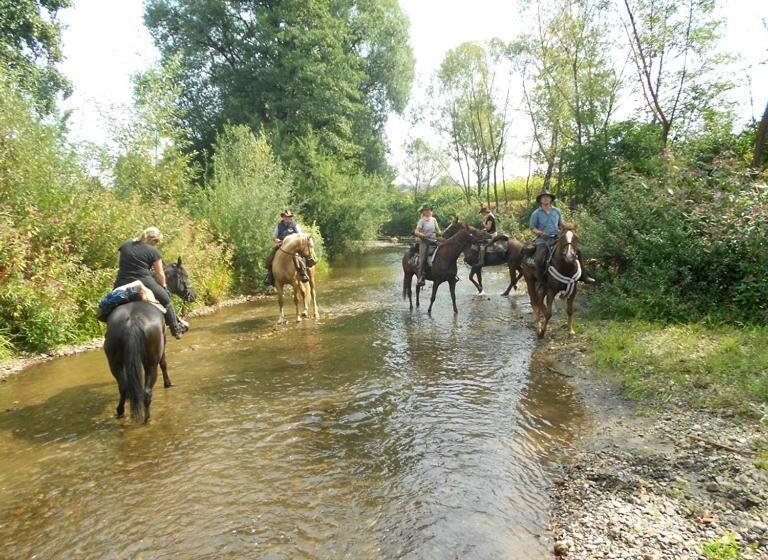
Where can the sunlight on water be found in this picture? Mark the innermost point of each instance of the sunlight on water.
(377, 433)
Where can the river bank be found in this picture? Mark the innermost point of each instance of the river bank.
(18, 363)
(655, 481)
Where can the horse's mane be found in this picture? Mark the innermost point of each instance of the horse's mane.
(296, 242)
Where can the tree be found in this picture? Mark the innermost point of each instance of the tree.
(761, 135)
(30, 48)
(423, 165)
(330, 68)
(673, 50)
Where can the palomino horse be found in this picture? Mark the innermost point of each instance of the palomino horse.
(512, 257)
(458, 237)
(563, 274)
(285, 271)
(135, 341)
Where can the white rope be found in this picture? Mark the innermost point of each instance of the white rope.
(569, 281)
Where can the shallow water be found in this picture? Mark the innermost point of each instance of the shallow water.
(375, 433)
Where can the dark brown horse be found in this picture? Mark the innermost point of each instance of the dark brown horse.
(563, 274)
(443, 269)
(512, 257)
(135, 342)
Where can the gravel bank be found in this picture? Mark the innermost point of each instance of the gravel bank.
(653, 484)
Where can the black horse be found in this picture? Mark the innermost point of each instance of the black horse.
(135, 341)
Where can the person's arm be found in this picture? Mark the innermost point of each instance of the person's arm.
(438, 231)
(157, 268)
(275, 238)
(298, 229)
(534, 224)
(417, 232)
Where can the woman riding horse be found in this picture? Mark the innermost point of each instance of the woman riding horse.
(139, 259)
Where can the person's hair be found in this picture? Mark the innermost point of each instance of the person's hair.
(150, 234)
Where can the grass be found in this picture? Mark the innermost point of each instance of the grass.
(719, 367)
(724, 548)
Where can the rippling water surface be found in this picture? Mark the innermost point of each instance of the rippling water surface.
(376, 433)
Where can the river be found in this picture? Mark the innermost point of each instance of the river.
(374, 433)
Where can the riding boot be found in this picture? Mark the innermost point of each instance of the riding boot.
(176, 328)
(301, 268)
(269, 280)
(541, 280)
(481, 258)
(586, 277)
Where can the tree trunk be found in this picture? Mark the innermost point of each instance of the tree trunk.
(760, 139)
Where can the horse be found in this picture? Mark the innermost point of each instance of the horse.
(285, 271)
(563, 274)
(458, 237)
(512, 257)
(135, 341)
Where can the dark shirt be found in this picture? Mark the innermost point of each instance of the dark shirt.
(490, 218)
(136, 260)
(283, 230)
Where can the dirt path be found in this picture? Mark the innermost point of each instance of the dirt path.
(654, 484)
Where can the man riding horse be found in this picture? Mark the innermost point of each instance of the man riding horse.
(546, 222)
(489, 228)
(139, 259)
(285, 227)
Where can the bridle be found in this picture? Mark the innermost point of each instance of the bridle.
(569, 281)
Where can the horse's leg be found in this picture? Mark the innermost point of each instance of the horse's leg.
(304, 295)
(475, 272)
(313, 293)
(452, 286)
(164, 368)
(550, 298)
(150, 379)
(279, 286)
(435, 285)
(569, 309)
(120, 413)
(408, 280)
(296, 288)
(418, 291)
(514, 276)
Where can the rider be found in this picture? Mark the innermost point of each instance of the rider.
(427, 230)
(139, 259)
(489, 229)
(545, 224)
(285, 227)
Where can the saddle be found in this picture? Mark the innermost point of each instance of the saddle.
(134, 291)
(414, 254)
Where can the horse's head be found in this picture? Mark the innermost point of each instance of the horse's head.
(455, 226)
(567, 244)
(177, 280)
(308, 250)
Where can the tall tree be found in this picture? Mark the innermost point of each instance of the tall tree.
(30, 48)
(423, 165)
(330, 68)
(673, 49)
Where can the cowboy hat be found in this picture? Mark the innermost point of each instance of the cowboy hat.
(286, 213)
(544, 192)
(484, 209)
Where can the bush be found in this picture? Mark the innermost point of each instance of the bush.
(244, 198)
(60, 230)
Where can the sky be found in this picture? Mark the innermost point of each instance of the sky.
(105, 43)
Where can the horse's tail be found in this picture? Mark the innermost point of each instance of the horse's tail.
(133, 368)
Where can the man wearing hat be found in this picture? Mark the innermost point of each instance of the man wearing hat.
(545, 224)
(427, 230)
(489, 228)
(285, 227)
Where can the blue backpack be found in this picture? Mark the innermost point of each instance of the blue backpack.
(115, 298)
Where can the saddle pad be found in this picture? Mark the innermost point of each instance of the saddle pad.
(146, 293)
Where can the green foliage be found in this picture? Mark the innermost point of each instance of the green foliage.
(724, 548)
(719, 366)
(244, 198)
(330, 67)
(681, 244)
(60, 229)
(30, 46)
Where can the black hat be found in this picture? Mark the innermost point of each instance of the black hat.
(426, 207)
(286, 213)
(544, 192)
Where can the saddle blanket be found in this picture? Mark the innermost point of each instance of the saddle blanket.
(431, 252)
(134, 291)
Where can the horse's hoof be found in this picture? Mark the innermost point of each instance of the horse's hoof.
(481, 294)
(167, 385)
(571, 334)
(118, 415)
(305, 315)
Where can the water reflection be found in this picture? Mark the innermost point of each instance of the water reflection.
(377, 433)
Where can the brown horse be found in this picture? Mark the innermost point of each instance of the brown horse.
(562, 276)
(285, 270)
(512, 257)
(458, 237)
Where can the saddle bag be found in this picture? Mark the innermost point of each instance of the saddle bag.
(117, 297)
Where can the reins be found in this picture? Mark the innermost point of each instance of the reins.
(569, 281)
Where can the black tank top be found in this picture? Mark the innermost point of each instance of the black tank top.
(136, 260)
